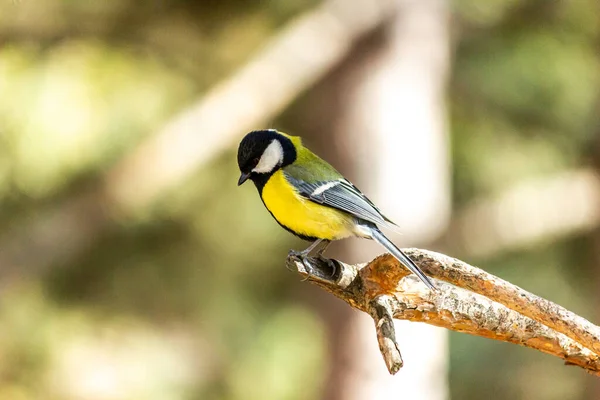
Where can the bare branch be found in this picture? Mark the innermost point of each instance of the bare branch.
(382, 313)
(383, 287)
(544, 311)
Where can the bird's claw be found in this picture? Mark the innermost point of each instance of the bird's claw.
(330, 263)
(295, 256)
(301, 256)
(308, 269)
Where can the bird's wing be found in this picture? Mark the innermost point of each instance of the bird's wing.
(338, 193)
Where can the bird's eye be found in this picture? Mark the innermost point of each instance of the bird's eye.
(255, 161)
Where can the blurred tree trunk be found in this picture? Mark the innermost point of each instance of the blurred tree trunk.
(380, 118)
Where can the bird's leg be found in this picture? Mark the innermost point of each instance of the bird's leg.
(316, 244)
(321, 245)
(308, 250)
(326, 260)
(325, 244)
(304, 253)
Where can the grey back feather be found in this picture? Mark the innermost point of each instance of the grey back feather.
(342, 195)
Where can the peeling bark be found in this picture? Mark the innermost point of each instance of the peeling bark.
(469, 300)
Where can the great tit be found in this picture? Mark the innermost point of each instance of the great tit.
(309, 198)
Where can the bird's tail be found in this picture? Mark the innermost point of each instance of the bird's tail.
(400, 256)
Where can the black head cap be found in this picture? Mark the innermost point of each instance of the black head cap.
(253, 146)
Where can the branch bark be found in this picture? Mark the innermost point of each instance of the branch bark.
(469, 300)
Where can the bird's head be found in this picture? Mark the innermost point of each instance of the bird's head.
(264, 152)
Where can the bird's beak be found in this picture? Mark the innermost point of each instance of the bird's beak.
(243, 177)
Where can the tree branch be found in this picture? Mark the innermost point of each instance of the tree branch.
(470, 301)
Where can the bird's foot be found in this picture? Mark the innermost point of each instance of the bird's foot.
(330, 263)
(302, 257)
(319, 266)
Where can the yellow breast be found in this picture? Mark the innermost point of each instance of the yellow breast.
(303, 216)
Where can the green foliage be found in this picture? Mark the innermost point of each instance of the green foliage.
(524, 91)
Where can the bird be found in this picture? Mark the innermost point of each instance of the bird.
(310, 198)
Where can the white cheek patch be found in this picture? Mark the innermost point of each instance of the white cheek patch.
(270, 159)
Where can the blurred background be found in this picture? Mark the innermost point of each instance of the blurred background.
(133, 267)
